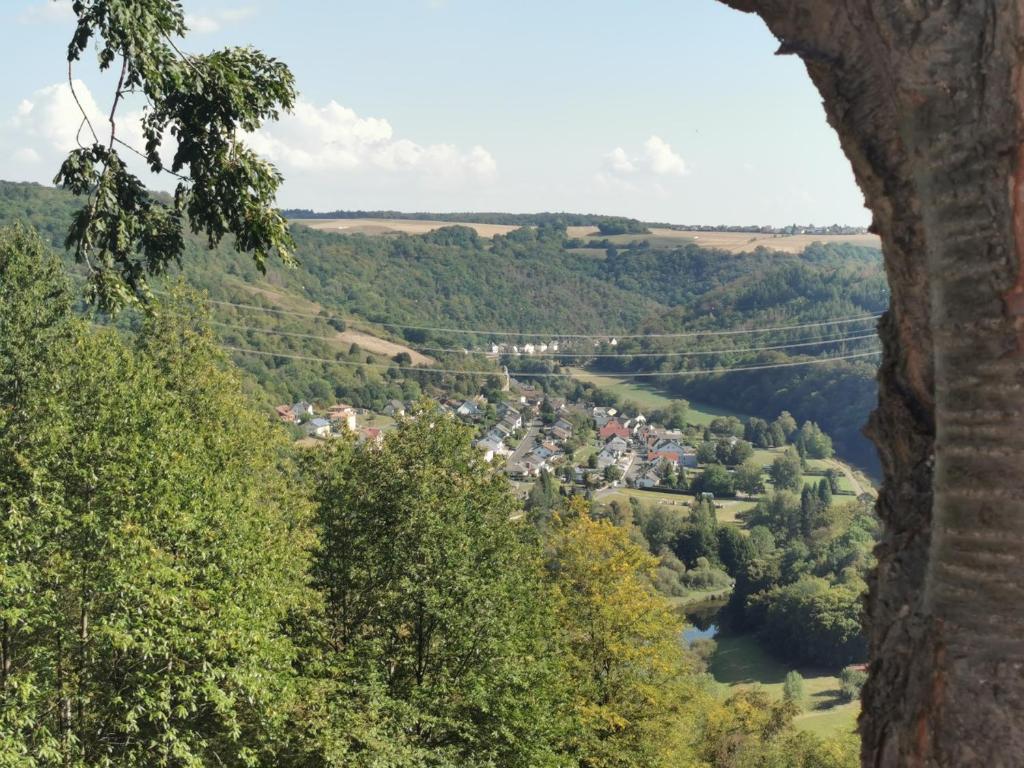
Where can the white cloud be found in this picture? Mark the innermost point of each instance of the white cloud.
(619, 162)
(662, 158)
(48, 124)
(335, 139)
(207, 23)
(323, 151)
(623, 172)
(47, 12)
(49, 120)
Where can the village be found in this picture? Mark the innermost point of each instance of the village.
(589, 447)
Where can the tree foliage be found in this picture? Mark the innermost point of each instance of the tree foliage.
(202, 103)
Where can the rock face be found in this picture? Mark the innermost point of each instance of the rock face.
(926, 98)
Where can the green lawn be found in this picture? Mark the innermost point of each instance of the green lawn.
(740, 661)
(649, 397)
(727, 512)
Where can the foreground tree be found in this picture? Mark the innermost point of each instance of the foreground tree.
(151, 545)
(635, 689)
(434, 603)
(925, 97)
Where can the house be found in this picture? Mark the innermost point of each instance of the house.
(612, 429)
(318, 428)
(606, 458)
(649, 479)
(394, 408)
(689, 457)
(492, 446)
(666, 450)
(343, 417)
(469, 410)
(602, 416)
(618, 445)
(302, 410)
(285, 414)
(561, 429)
(512, 421)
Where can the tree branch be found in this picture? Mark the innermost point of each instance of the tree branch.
(85, 115)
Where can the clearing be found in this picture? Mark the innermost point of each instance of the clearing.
(726, 510)
(740, 661)
(649, 397)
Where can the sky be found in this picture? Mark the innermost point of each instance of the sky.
(664, 110)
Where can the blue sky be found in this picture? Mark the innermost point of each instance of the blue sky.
(668, 110)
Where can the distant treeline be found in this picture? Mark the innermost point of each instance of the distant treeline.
(631, 226)
(509, 219)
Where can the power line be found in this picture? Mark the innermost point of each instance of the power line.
(707, 372)
(549, 335)
(691, 353)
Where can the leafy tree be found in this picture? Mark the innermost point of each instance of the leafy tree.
(717, 480)
(204, 103)
(786, 424)
(812, 442)
(634, 686)
(748, 478)
(756, 431)
(810, 508)
(612, 473)
(152, 540)
(825, 493)
(432, 593)
(734, 549)
(793, 688)
(786, 471)
(851, 681)
(813, 622)
(707, 452)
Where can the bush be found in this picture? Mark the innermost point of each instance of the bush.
(851, 680)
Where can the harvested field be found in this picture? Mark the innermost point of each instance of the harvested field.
(734, 242)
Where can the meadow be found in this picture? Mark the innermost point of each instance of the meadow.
(649, 397)
(740, 661)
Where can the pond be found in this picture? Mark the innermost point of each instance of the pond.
(702, 619)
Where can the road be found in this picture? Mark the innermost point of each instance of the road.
(525, 445)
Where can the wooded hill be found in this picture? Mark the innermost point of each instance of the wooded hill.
(534, 280)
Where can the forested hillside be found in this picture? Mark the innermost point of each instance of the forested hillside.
(535, 280)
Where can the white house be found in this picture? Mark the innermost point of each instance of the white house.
(302, 409)
(318, 428)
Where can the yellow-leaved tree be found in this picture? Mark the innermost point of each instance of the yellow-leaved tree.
(638, 692)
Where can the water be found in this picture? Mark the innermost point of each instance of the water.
(702, 620)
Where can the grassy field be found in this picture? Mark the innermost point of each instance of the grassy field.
(741, 661)
(648, 397)
(726, 511)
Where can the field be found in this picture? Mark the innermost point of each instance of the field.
(741, 661)
(734, 242)
(648, 397)
(726, 509)
(397, 226)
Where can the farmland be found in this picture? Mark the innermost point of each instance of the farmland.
(733, 242)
